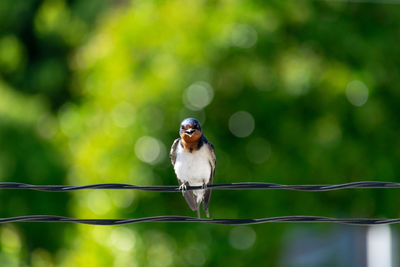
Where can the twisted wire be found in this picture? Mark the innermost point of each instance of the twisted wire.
(231, 186)
(181, 219)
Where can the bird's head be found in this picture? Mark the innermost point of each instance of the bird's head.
(190, 130)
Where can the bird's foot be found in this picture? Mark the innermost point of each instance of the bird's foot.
(182, 188)
(204, 186)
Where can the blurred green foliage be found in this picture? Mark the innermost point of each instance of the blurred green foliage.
(291, 92)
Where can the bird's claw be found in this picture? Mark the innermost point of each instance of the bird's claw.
(204, 186)
(182, 188)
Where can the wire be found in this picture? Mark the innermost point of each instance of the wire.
(180, 219)
(232, 186)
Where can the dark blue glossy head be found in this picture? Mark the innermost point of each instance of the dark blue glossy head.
(190, 125)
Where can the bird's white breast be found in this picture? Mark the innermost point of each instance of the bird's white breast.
(194, 167)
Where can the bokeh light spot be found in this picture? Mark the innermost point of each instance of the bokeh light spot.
(10, 241)
(357, 93)
(98, 202)
(123, 199)
(241, 124)
(243, 36)
(123, 238)
(194, 256)
(242, 237)
(150, 150)
(298, 70)
(198, 95)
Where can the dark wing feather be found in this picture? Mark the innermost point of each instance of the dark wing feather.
(188, 195)
(172, 153)
(190, 198)
(213, 162)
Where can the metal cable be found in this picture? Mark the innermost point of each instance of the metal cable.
(284, 219)
(232, 186)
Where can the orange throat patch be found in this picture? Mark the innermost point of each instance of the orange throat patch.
(190, 143)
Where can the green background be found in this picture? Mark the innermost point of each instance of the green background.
(94, 92)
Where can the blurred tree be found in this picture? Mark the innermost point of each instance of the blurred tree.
(26, 156)
(36, 40)
(290, 92)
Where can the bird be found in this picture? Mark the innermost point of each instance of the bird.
(193, 159)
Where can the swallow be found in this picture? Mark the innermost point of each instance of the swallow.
(193, 158)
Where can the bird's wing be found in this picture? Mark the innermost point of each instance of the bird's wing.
(172, 153)
(212, 161)
(188, 195)
(190, 198)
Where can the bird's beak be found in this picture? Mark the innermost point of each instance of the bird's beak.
(190, 131)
